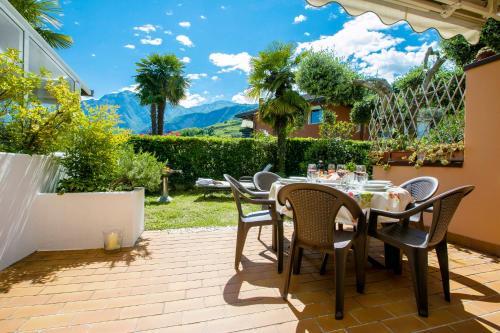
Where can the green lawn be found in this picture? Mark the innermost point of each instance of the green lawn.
(190, 209)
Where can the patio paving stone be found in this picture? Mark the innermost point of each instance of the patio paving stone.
(185, 282)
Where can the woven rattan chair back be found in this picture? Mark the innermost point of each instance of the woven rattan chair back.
(421, 188)
(315, 208)
(264, 179)
(444, 208)
(238, 192)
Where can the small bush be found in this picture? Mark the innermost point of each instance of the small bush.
(137, 170)
(92, 152)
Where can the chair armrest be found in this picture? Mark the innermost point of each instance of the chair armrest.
(258, 201)
(403, 216)
(246, 179)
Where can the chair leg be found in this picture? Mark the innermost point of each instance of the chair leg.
(340, 263)
(418, 263)
(240, 244)
(392, 258)
(322, 270)
(260, 231)
(420, 223)
(279, 241)
(289, 267)
(442, 254)
(298, 261)
(359, 263)
(274, 238)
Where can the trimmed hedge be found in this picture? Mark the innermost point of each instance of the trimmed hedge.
(211, 157)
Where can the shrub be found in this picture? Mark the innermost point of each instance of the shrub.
(137, 170)
(212, 157)
(92, 152)
(26, 124)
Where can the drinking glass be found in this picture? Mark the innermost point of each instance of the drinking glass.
(311, 172)
(341, 170)
(360, 175)
(331, 169)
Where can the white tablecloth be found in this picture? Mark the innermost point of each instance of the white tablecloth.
(394, 200)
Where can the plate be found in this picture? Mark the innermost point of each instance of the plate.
(375, 188)
(377, 182)
(290, 181)
(303, 179)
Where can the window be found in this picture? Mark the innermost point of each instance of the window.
(11, 36)
(316, 115)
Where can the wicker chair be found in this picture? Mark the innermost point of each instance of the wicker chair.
(416, 243)
(267, 216)
(421, 189)
(263, 181)
(249, 179)
(315, 208)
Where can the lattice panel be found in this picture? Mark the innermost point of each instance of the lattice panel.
(415, 112)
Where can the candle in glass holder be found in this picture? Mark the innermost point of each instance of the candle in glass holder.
(112, 241)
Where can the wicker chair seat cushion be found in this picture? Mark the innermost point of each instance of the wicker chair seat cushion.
(258, 216)
(397, 233)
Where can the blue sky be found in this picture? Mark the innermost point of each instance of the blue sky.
(217, 38)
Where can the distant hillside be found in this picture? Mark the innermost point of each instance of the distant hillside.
(136, 117)
(229, 128)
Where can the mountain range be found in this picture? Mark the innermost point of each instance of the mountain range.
(134, 116)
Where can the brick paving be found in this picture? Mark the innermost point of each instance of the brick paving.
(185, 282)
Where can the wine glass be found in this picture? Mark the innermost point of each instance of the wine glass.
(360, 175)
(341, 170)
(312, 171)
(331, 169)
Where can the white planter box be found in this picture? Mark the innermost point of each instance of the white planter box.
(75, 221)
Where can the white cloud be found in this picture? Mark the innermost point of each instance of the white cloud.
(184, 40)
(151, 41)
(182, 49)
(231, 62)
(223, 7)
(391, 63)
(132, 88)
(215, 78)
(308, 6)
(185, 24)
(365, 41)
(219, 96)
(167, 32)
(169, 13)
(77, 23)
(205, 92)
(299, 19)
(186, 60)
(203, 17)
(147, 28)
(242, 98)
(192, 100)
(196, 76)
(92, 55)
(129, 46)
(332, 17)
(307, 34)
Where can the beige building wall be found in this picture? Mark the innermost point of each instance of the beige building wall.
(477, 222)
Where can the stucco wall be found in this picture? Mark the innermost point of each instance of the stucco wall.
(477, 222)
(312, 130)
(21, 178)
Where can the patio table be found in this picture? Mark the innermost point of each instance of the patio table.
(394, 199)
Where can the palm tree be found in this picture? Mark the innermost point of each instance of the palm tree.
(42, 15)
(271, 80)
(161, 80)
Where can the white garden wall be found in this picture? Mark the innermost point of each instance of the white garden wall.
(75, 221)
(32, 218)
(22, 177)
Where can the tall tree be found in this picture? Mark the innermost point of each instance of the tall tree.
(42, 15)
(271, 80)
(161, 81)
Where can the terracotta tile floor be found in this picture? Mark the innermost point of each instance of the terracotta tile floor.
(185, 282)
